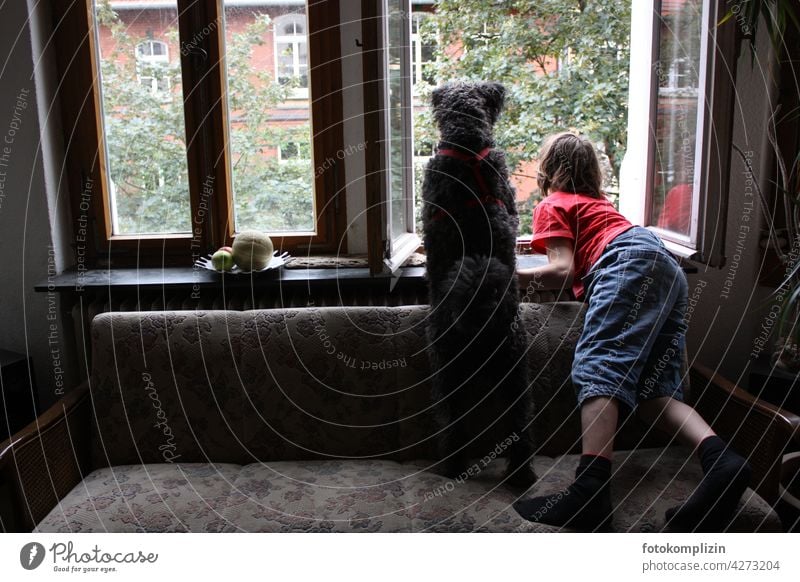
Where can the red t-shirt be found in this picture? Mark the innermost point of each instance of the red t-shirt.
(590, 223)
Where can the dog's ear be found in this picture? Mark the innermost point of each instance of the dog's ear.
(494, 95)
(437, 96)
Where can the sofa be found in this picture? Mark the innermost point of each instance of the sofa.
(314, 420)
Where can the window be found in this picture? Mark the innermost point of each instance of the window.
(289, 151)
(145, 150)
(422, 54)
(291, 52)
(401, 238)
(675, 172)
(678, 97)
(268, 120)
(388, 176)
(235, 140)
(151, 68)
(153, 51)
(228, 144)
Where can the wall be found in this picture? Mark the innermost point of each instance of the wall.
(730, 307)
(33, 216)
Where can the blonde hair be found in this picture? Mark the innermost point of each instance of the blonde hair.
(568, 163)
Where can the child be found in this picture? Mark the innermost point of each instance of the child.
(631, 347)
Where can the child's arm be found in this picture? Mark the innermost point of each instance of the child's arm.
(557, 274)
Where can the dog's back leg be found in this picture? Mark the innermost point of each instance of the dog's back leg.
(518, 420)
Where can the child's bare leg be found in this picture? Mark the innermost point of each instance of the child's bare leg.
(726, 474)
(586, 504)
(599, 417)
(675, 418)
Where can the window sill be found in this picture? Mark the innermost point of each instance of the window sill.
(193, 278)
(76, 281)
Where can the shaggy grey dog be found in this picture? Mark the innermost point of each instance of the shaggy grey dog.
(477, 350)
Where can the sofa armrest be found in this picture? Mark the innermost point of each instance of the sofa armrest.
(757, 429)
(42, 462)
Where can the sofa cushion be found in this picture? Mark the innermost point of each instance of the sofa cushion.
(165, 387)
(291, 384)
(323, 383)
(368, 496)
(145, 498)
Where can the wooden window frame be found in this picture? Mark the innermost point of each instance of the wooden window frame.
(386, 250)
(705, 244)
(208, 158)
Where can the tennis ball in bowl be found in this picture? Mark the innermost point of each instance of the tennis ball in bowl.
(222, 260)
(252, 250)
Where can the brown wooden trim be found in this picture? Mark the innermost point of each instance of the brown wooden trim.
(221, 155)
(46, 420)
(104, 223)
(719, 101)
(758, 430)
(789, 420)
(652, 140)
(203, 114)
(374, 152)
(42, 462)
(325, 62)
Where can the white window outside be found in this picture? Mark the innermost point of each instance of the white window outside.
(152, 60)
(291, 52)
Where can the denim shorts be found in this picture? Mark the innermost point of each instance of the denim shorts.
(633, 338)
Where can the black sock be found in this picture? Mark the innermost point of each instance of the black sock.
(584, 505)
(713, 504)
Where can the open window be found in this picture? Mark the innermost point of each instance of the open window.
(674, 177)
(389, 133)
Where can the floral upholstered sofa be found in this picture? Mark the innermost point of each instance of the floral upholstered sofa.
(305, 420)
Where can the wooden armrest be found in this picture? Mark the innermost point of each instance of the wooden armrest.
(757, 429)
(41, 463)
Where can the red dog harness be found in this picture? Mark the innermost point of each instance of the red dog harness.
(474, 160)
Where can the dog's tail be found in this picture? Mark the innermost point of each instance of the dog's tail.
(475, 292)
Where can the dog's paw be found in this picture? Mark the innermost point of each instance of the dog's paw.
(522, 476)
(454, 468)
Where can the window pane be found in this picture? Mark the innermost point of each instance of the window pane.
(399, 137)
(267, 112)
(677, 70)
(144, 128)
